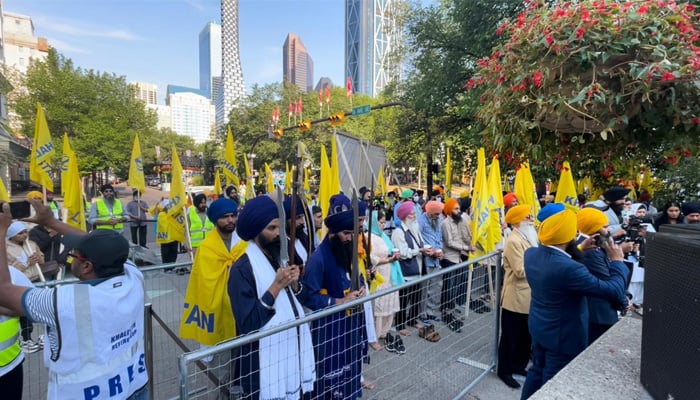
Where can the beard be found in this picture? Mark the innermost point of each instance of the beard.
(302, 236)
(457, 217)
(617, 208)
(271, 249)
(573, 251)
(342, 252)
(412, 226)
(530, 233)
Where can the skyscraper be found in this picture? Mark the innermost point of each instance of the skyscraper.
(371, 35)
(209, 57)
(232, 85)
(146, 92)
(298, 67)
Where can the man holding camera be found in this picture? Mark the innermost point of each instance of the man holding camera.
(612, 204)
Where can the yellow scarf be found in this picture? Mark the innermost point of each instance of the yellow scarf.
(207, 317)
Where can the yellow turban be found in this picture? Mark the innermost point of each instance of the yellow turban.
(517, 214)
(560, 228)
(35, 195)
(590, 220)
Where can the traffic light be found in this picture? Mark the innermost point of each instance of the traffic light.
(277, 133)
(304, 126)
(337, 118)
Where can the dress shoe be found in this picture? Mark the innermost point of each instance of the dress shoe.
(508, 380)
(522, 372)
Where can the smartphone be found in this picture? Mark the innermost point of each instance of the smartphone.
(20, 209)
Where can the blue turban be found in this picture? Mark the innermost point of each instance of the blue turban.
(549, 210)
(255, 216)
(362, 208)
(220, 207)
(288, 207)
(340, 216)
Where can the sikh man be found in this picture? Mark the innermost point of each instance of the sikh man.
(559, 286)
(612, 204)
(691, 213)
(514, 346)
(199, 223)
(339, 339)
(430, 224)
(457, 244)
(264, 295)
(53, 205)
(108, 212)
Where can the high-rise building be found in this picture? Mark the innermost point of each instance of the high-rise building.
(323, 83)
(297, 65)
(372, 34)
(192, 114)
(146, 92)
(209, 57)
(19, 45)
(232, 85)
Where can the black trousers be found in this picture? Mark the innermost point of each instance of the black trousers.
(27, 328)
(138, 235)
(168, 252)
(410, 300)
(11, 383)
(514, 347)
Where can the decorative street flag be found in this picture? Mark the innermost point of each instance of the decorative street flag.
(42, 152)
(348, 89)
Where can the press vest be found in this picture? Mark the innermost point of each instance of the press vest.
(103, 214)
(198, 231)
(9, 339)
(101, 339)
(53, 205)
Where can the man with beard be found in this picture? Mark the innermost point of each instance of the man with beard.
(558, 320)
(430, 224)
(457, 244)
(339, 339)
(108, 211)
(602, 314)
(514, 346)
(302, 244)
(53, 205)
(263, 296)
(612, 204)
(198, 222)
(691, 211)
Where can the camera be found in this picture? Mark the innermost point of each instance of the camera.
(632, 228)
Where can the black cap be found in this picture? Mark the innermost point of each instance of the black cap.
(615, 193)
(106, 249)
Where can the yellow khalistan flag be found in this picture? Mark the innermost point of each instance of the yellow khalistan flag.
(217, 184)
(230, 162)
(249, 190)
(42, 152)
(525, 188)
(287, 179)
(324, 188)
(178, 199)
(270, 181)
(481, 210)
(65, 159)
(335, 169)
(495, 203)
(4, 196)
(381, 181)
(566, 189)
(448, 174)
(307, 186)
(136, 179)
(70, 183)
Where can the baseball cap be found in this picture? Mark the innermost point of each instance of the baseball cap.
(106, 249)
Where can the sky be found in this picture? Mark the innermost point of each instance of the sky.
(156, 41)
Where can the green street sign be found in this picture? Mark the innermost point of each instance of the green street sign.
(361, 110)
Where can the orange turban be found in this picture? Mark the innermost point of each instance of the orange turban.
(434, 207)
(560, 228)
(590, 220)
(517, 214)
(450, 205)
(509, 199)
(35, 195)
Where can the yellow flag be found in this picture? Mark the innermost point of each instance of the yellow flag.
(136, 179)
(324, 189)
(495, 200)
(177, 198)
(217, 184)
(335, 169)
(381, 181)
(307, 186)
(287, 179)
(481, 214)
(70, 183)
(448, 174)
(270, 181)
(506, 187)
(65, 158)
(566, 190)
(249, 190)
(230, 162)
(525, 188)
(42, 152)
(4, 196)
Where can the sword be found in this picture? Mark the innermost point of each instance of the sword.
(284, 254)
(368, 243)
(355, 271)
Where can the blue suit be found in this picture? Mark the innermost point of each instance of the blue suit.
(602, 314)
(558, 319)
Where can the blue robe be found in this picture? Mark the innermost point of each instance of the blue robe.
(339, 339)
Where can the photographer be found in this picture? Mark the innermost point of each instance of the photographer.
(602, 314)
(612, 204)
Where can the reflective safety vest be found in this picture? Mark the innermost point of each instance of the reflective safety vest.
(55, 209)
(198, 231)
(9, 339)
(103, 214)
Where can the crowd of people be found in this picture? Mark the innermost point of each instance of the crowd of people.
(567, 278)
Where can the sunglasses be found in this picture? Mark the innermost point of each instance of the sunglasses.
(72, 256)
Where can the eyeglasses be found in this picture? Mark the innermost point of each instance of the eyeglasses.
(72, 256)
(530, 217)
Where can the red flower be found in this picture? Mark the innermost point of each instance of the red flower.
(667, 77)
(642, 10)
(537, 78)
(580, 32)
(690, 8)
(470, 83)
(549, 40)
(695, 121)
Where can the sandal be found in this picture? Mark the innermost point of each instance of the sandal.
(404, 332)
(376, 346)
(368, 385)
(429, 333)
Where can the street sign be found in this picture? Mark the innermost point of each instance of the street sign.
(361, 110)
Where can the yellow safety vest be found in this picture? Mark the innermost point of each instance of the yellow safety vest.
(103, 214)
(198, 231)
(9, 339)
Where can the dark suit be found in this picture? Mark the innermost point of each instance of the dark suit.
(558, 319)
(602, 314)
